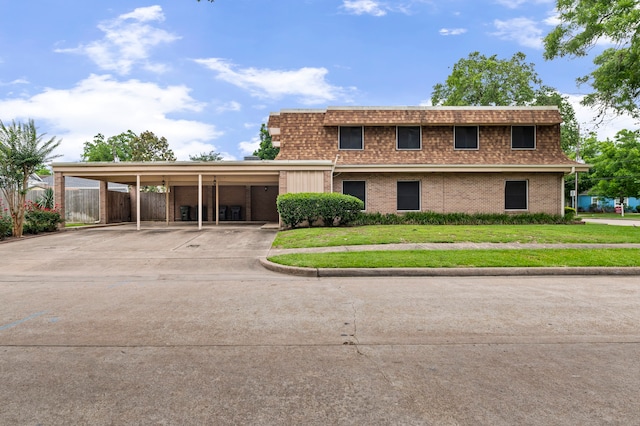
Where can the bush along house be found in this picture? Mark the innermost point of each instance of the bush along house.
(396, 159)
(441, 159)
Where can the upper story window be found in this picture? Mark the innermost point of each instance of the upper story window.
(523, 137)
(351, 137)
(465, 137)
(408, 137)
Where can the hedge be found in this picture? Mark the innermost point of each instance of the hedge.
(328, 209)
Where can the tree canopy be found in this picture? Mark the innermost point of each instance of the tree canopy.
(584, 23)
(22, 152)
(266, 151)
(128, 146)
(206, 156)
(479, 80)
(616, 166)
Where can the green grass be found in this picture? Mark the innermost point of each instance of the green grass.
(75, 225)
(627, 216)
(390, 234)
(465, 258)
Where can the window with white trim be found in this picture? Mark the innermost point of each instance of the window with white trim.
(408, 195)
(408, 137)
(357, 188)
(465, 137)
(523, 137)
(351, 137)
(516, 195)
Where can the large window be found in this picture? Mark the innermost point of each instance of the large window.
(408, 137)
(408, 195)
(351, 137)
(465, 137)
(523, 137)
(357, 188)
(515, 195)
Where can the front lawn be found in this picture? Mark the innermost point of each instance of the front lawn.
(390, 234)
(464, 258)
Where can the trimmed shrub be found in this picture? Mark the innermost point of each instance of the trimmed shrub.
(38, 219)
(432, 218)
(569, 212)
(330, 209)
(6, 225)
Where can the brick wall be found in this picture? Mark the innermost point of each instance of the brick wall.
(459, 192)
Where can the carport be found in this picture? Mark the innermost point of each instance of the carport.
(283, 176)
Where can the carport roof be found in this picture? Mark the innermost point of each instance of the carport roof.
(183, 173)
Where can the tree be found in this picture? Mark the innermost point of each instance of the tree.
(22, 151)
(266, 151)
(148, 147)
(616, 170)
(116, 148)
(488, 81)
(615, 78)
(210, 156)
(128, 146)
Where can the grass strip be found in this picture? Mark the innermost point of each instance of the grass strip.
(465, 258)
(390, 234)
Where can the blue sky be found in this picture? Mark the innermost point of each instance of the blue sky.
(205, 76)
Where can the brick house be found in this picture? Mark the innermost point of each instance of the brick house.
(441, 159)
(396, 159)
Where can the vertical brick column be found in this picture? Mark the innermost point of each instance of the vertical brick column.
(247, 202)
(59, 191)
(172, 203)
(104, 202)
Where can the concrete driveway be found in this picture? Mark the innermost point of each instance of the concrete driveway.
(176, 326)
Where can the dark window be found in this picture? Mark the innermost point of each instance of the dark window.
(357, 188)
(523, 137)
(409, 195)
(466, 137)
(515, 195)
(409, 137)
(351, 137)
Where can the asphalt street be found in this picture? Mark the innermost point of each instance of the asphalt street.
(177, 326)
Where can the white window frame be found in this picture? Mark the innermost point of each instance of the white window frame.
(535, 138)
(419, 196)
(408, 149)
(467, 149)
(350, 149)
(365, 190)
(526, 191)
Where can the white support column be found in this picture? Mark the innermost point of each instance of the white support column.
(200, 202)
(166, 201)
(138, 202)
(217, 200)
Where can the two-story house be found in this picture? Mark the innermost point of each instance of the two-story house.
(441, 159)
(396, 159)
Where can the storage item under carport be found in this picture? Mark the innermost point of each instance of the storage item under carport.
(235, 213)
(222, 213)
(185, 213)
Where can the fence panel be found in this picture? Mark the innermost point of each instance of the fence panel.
(119, 206)
(153, 206)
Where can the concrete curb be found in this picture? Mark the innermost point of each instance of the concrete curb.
(442, 272)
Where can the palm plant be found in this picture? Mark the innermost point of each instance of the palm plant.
(22, 151)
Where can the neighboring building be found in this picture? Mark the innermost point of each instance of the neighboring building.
(396, 159)
(442, 159)
(593, 203)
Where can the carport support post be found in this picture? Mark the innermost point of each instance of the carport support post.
(104, 202)
(215, 181)
(59, 194)
(166, 201)
(138, 202)
(200, 202)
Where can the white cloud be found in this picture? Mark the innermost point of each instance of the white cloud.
(128, 41)
(523, 31)
(308, 84)
(452, 31)
(248, 148)
(514, 4)
(364, 7)
(99, 104)
(16, 81)
(229, 106)
(589, 122)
